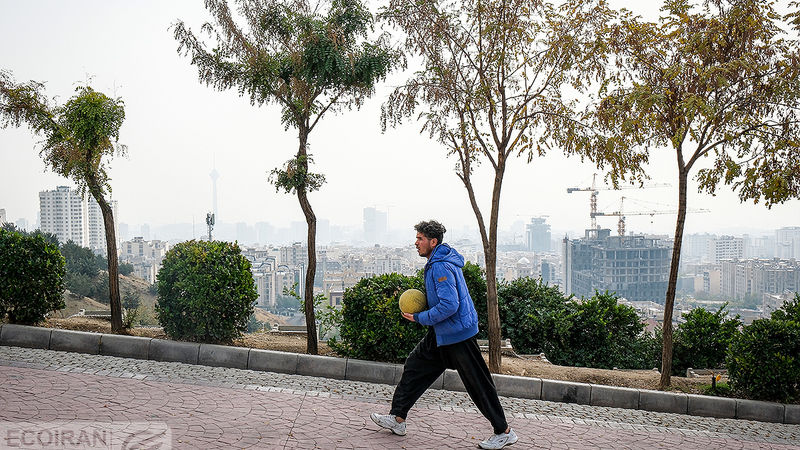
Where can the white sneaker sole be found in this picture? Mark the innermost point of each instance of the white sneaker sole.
(388, 428)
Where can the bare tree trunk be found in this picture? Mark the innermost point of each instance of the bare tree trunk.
(311, 270)
(113, 263)
(669, 302)
(493, 309)
(493, 316)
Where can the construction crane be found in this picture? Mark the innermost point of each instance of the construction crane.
(595, 190)
(621, 214)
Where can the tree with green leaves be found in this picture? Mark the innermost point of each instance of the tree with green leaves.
(311, 59)
(78, 137)
(494, 84)
(714, 82)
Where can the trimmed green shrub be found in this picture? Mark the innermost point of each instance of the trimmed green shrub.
(702, 341)
(372, 326)
(532, 314)
(31, 277)
(764, 360)
(205, 292)
(599, 333)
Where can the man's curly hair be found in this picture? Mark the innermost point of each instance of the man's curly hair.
(431, 229)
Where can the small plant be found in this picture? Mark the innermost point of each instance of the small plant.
(716, 388)
(130, 317)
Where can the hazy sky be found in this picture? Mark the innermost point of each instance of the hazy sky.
(176, 129)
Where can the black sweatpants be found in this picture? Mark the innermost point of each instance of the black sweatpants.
(427, 361)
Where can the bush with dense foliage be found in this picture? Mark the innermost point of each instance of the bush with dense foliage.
(372, 326)
(31, 277)
(764, 360)
(532, 314)
(205, 291)
(597, 332)
(702, 340)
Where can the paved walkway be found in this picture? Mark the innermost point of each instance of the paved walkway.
(206, 407)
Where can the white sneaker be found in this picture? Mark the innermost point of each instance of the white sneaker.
(390, 422)
(496, 441)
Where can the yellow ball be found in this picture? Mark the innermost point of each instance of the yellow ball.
(413, 301)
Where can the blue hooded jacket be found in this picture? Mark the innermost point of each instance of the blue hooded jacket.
(450, 309)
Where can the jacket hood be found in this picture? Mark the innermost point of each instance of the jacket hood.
(444, 252)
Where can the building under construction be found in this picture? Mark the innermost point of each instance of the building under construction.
(635, 267)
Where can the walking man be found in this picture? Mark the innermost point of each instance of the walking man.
(449, 343)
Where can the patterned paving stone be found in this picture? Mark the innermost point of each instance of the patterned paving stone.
(208, 407)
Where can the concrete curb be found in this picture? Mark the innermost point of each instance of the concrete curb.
(125, 346)
(703, 405)
(566, 392)
(614, 397)
(173, 351)
(668, 402)
(272, 361)
(370, 371)
(223, 356)
(24, 336)
(377, 372)
(75, 341)
(520, 387)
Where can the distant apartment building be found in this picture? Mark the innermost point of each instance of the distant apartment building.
(63, 212)
(787, 242)
(725, 247)
(695, 247)
(635, 267)
(72, 217)
(750, 278)
(774, 302)
(537, 234)
(762, 247)
(96, 225)
(145, 256)
(272, 276)
(389, 264)
(701, 278)
(375, 225)
(550, 272)
(712, 280)
(294, 255)
(2, 216)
